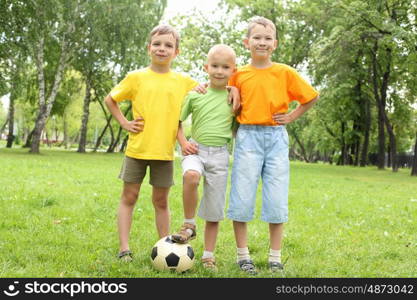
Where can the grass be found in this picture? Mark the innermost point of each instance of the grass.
(58, 219)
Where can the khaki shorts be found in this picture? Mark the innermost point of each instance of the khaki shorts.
(212, 163)
(161, 171)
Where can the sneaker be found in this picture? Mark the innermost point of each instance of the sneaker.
(247, 266)
(275, 266)
(209, 263)
(125, 256)
(184, 236)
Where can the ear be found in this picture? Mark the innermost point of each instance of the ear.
(246, 43)
(275, 44)
(205, 66)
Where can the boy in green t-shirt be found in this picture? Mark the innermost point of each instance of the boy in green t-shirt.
(212, 124)
(156, 94)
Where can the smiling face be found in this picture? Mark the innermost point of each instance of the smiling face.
(162, 49)
(220, 66)
(261, 42)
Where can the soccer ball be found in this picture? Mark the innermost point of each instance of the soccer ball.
(169, 255)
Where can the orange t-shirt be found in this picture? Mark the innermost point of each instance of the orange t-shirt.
(265, 92)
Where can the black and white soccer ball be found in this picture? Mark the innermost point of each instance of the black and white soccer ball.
(169, 255)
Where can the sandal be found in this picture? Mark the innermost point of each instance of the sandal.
(209, 263)
(126, 256)
(247, 266)
(275, 266)
(184, 235)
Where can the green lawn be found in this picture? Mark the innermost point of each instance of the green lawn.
(58, 219)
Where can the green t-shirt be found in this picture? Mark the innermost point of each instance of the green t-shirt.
(212, 117)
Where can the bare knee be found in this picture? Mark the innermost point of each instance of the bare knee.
(191, 178)
(160, 199)
(130, 195)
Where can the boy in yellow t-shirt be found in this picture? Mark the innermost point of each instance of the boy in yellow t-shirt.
(261, 150)
(156, 94)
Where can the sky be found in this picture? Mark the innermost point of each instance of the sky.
(175, 7)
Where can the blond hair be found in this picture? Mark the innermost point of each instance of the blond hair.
(165, 29)
(260, 21)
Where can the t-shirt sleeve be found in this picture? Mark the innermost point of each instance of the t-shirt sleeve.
(191, 83)
(299, 89)
(232, 79)
(186, 108)
(125, 89)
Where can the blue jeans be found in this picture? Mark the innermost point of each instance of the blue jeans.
(260, 151)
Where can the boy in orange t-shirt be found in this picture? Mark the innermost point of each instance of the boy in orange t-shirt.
(266, 89)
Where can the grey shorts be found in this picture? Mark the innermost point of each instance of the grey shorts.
(213, 164)
(161, 171)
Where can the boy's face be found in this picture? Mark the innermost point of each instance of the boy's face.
(220, 66)
(261, 42)
(162, 49)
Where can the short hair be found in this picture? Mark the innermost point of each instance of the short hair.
(260, 21)
(165, 29)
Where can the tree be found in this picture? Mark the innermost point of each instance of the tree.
(114, 33)
(414, 167)
(49, 35)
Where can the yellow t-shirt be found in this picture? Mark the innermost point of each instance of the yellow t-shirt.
(158, 99)
(265, 92)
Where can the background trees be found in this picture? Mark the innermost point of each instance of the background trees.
(59, 59)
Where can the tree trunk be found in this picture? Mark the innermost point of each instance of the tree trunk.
(367, 129)
(113, 145)
(37, 131)
(364, 120)
(108, 120)
(86, 113)
(392, 144)
(66, 136)
(123, 147)
(10, 135)
(29, 139)
(380, 98)
(389, 156)
(115, 142)
(46, 103)
(303, 150)
(414, 167)
(381, 138)
(4, 124)
(343, 157)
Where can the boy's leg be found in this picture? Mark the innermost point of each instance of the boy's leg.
(210, 238)
(162, 215)
(241, 233)
(275, 236)
(210, 235)
(191, 180)
(275, 177)
(247, 168)
(192, 169)
(243, 257)
(161, 179)
(187, 232)
(214, 198)
(124, 217)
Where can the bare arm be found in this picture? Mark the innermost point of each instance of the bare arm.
(283, 119)
(187, 148)
(234, 98)
(134, 126)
